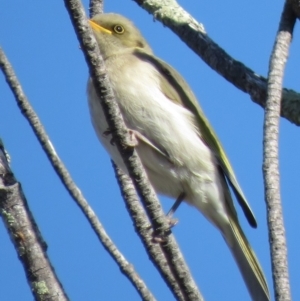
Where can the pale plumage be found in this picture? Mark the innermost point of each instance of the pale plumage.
(177, 146)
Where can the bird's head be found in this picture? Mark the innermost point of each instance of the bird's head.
(116, 34)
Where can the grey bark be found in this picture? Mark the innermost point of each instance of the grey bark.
(26, 237)
(271, 161)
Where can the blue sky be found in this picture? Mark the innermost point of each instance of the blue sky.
(40, 42)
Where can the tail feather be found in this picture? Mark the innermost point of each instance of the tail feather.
(247, 263)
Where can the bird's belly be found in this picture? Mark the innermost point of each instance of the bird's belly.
(167, 127)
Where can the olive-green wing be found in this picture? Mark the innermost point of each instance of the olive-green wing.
(182, 94)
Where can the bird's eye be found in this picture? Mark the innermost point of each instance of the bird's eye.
(119, 29)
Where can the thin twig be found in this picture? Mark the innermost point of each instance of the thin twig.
(26, 237)
(270, 156)
(141, 224)
(193, 34)
(23, 103)
(129, 155)
(296, 7)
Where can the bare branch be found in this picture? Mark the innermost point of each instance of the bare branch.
(126, 268)
(143, 229)
(296, 7)
(96, 7)
(271, 162)
(129, 155)
(26, 237)
(193, 34)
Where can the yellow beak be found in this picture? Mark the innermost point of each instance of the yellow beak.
(97, 27)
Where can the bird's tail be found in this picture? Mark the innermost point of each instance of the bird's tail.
(247, 262)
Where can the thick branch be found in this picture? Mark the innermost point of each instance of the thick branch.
(271, 162)
(26, 237)
(129, 155)
(193, 34)
(67, 181)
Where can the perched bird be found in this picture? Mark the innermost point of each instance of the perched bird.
(177, 146)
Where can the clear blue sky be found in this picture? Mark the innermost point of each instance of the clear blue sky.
(40, 42)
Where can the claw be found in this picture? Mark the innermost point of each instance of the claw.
(106, 132)
(157, 239)
(133, 141)
(172, 221)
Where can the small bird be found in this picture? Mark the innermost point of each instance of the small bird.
(178, 148)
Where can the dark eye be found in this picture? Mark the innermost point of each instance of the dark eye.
(119, 29)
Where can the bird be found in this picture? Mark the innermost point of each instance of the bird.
(178, 147)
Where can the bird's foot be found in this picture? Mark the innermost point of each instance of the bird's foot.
(172, 221)
(160, 238)
(133, 138)
(108, 132)
(131, 142)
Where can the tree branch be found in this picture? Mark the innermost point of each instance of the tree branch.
(129, 155)
(296, 7)
(142, 227)
(193, 34)
(23, 103)
(96, 7)
(270, 161)
(26, 237)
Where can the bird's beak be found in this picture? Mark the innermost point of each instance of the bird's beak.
(98, 28)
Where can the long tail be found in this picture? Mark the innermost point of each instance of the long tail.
(247, 262)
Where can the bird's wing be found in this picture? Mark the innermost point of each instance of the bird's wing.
(183, 95)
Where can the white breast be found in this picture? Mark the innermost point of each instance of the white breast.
(167, 125)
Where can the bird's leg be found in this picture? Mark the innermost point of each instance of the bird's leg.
(171, 212)
(172, 222)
